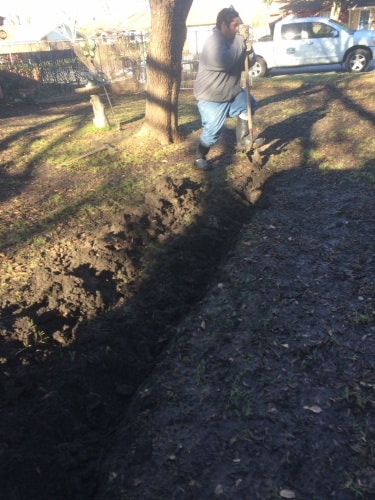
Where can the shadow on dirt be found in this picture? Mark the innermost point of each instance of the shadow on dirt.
(62, 403)
(103, 307)
(265, 388)
(13, 173)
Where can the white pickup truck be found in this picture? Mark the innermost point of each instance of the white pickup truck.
(313, 41)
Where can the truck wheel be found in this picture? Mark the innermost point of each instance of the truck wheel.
(357, 60)
(259, 69)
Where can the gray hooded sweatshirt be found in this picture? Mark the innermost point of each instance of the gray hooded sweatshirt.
(220, 65)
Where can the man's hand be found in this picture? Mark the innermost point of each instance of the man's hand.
(244, 31)
(249, 46)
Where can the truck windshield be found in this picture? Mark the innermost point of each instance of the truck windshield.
(340, 26)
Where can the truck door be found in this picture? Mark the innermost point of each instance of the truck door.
(307, 43)
(291, 51)
(323, 44)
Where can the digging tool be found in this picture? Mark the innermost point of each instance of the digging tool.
(248, 103)
(252, 152)
(245, 33)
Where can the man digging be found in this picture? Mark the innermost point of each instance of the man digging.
(218, 90)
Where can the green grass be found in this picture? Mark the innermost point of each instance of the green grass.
(108, 177)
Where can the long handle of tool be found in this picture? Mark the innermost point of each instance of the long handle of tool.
(248, 103)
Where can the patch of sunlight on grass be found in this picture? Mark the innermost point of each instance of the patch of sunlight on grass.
(312, 155)
(329, 164)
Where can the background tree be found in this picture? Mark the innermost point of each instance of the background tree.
(168, 34)
(335, 5)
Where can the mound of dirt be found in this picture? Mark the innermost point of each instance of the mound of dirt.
(84, 329)
(210, 337)
(268, 387)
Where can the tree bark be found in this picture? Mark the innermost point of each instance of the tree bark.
(168, 34)
(336, 9)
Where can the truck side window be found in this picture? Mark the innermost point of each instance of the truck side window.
(291, 31)
(321, 30)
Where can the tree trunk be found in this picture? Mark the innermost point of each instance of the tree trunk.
(168, 34)
(336, 9)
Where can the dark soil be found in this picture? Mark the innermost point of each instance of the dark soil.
(236, 359)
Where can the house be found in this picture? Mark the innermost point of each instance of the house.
(358, 14)
(202, 19)
(61, 33)
(362, 15)
(303, 8)
(39, 33)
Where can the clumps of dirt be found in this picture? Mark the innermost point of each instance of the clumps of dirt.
(267, 387)
(84, 330)
(212, 338)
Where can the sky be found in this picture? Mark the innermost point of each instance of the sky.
(40, 11)
(27, 20)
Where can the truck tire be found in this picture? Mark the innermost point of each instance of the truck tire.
(357, 60)
(259, 69)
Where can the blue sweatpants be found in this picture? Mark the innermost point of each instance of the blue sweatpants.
(214, 114)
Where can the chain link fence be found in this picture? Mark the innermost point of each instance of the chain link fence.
(43, 70)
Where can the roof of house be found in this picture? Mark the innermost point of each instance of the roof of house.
(204, 12)
(360, 4)
(298, 5)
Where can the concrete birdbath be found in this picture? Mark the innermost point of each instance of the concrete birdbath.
(93, 88)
